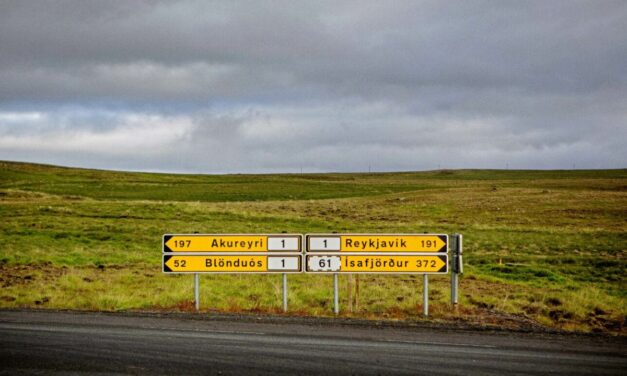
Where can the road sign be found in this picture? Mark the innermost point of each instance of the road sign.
(423, 243)
(230, 263)
(377, 263)
(231, 243)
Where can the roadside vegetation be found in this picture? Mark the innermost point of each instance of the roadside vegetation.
(541, 248)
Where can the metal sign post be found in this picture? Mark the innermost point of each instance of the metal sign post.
(336, 298)
(425, 295)
(197, 291)
(457, 266)
(454, 284)
(284, 292)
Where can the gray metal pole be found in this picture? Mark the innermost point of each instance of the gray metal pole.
(458, 266)
(454, 283)
(336, 299)
(425, 295)
(197, 291)
(454, 276)
(284, 292)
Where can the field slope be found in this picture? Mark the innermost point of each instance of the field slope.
(541, 247)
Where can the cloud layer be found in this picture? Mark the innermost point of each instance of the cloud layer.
(324, 86)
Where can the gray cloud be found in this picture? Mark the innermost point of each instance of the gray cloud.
(279, 86)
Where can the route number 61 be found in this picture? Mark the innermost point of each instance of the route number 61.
(324, 263)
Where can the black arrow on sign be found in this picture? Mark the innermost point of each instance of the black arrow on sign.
(444, 248)
(444, 268)
(166, 268)
(165, 240)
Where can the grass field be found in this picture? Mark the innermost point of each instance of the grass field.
(540, 247)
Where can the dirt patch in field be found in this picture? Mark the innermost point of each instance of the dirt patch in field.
(14, 275)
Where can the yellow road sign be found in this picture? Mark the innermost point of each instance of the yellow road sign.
(428, 243)
(228, 263)
(377, 263)
(231, 243)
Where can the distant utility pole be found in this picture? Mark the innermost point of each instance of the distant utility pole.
(369, 168)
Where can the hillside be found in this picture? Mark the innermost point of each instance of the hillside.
(541, 247)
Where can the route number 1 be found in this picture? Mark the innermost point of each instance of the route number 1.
(287, 263)
(284, 243)
(324, 243)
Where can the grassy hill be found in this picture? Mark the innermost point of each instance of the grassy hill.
(545, 247)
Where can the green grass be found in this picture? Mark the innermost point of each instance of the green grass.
(549, 246)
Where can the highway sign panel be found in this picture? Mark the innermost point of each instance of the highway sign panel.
(377, 263)
(427, 243)
(230, 263)
(232, 243)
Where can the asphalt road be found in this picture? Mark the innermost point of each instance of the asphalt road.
(62, 343)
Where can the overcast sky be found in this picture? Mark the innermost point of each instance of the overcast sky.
(280, 86)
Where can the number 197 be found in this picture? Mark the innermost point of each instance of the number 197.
(182, 243)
